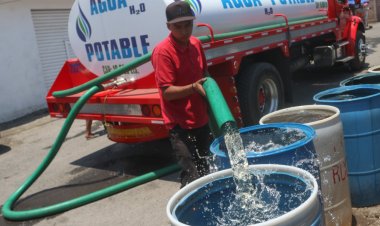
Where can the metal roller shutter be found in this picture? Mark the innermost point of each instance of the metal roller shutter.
(52, 40)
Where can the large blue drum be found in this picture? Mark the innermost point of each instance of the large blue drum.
(285, 195)
(363, 79)
(275, 143)
(360, 114)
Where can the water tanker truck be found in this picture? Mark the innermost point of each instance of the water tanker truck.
(252, 48)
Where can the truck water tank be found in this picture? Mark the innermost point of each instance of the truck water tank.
(106, 34)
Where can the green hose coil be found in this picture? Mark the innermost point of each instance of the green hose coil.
(94, 86)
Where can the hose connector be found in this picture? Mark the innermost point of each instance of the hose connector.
(120, 82)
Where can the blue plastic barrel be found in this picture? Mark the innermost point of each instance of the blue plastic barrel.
(363, 79)
(207, 200)
(359, 106)
(300, 152)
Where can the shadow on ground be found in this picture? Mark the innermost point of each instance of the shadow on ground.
(4, 149)
(103, 168)
(24, 120)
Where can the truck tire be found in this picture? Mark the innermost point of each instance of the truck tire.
(260, 91)
(358, 62)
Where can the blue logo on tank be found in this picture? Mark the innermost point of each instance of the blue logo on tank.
(195, 5)
(83, 27)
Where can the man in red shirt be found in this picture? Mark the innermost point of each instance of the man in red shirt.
(180, 65)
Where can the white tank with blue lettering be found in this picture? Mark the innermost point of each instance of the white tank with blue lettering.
(106, 34)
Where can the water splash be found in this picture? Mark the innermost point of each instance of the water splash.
(272, 138)
(238, 159)
(275, 193)
(244, 200)
(249, 208)
(255, 202)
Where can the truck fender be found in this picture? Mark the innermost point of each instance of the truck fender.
(355, 24)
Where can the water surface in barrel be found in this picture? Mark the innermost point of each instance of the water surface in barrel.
(350, 94)
(371, 79)
(271, 138)
(301, 116)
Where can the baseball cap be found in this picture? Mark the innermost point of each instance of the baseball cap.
(179, 11)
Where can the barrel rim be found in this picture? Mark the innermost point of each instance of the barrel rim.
(304, 107)
(373, 69)
(358, 77)
(303, 175)
(338, 90)
(308, 131)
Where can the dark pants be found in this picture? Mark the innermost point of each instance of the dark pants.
(191, 149)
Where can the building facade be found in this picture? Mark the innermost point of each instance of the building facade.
(34, 45)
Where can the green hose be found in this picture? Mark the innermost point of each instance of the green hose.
(222, 120)
(10, 214)
(260, 28)
(110, 75)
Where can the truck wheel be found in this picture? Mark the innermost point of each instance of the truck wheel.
(260, 91)
(358, 62)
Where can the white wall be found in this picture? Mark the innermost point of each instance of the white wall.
(22, 88)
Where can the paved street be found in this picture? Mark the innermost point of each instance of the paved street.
(82, 166)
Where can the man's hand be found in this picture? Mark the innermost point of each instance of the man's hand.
(198, 86)
(177, 92)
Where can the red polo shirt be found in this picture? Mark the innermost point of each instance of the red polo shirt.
(177, 65)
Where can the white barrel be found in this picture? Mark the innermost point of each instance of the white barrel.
(105, 34)
(374, 69)
(308, 212)
(329, 145)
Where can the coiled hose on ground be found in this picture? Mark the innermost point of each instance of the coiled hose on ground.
(94, 87)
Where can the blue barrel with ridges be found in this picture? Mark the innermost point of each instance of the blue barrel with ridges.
(362, 79)
(360, 114)
(300, 153)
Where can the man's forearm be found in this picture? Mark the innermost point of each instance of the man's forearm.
(177, 92)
